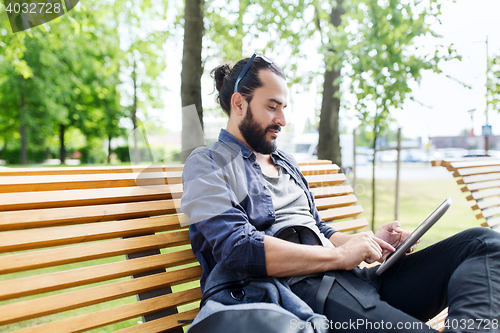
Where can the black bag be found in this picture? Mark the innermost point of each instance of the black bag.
(254, 318)
(235, 302)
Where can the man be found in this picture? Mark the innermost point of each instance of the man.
(242, 190)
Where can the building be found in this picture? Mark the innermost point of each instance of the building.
(465, 142)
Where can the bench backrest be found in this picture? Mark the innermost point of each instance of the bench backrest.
(72, 238)
(481, 180)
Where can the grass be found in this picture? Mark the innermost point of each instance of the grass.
(417, 200)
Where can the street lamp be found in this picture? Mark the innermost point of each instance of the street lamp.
(471, 112)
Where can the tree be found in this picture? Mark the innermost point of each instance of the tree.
(381, 59)
(24, 101)
(192, 69)
(143, 60)
(493, 82)
(70, 78)
(329, 134)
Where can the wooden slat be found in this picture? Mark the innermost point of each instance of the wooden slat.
(117, 314)
(486, 204)
(479, 178)
(483, 194)
(345, 200)
(327, 191)
(38, 284)
(481, 186)
(79, 253)
(45, 171)
(25, 310)
(160, 325)
(488, 212)
(311, 170)
(487, 161)
(448, 161)
(48, 237)
(40, 218)
(491, 222)
(475, 171)
(88, 197)
(326, 180)
(349, 225)
(78, 182)
(317, 162)
(438, 321)
(436, 163)
(339, 213)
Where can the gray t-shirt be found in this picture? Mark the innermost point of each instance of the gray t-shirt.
(290, 205)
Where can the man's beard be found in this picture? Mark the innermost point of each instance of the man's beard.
(255, 135)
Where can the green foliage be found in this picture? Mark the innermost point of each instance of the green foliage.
(12, 156)
(93, 152)
(379, 53)
(493, 83)
(122, 153)
(75, 71)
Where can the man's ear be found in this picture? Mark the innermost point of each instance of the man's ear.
(237, 103)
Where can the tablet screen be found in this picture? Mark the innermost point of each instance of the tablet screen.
(408, 242)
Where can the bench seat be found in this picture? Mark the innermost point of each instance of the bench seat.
(107, 248)
(479, 179)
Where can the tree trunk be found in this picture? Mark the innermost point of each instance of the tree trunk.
(4, 148)
(135, 158)
(329, 138)
(62, 152)
(373, 178)
(239, 27)
(22, 130)
(109, 149)
(192, 69)
(376, 133)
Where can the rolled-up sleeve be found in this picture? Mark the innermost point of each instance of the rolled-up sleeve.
(212, 200)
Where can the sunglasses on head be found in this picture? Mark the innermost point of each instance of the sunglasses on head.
(247, 67)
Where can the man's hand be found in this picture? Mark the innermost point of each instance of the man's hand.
(393, 234)
(363, 247)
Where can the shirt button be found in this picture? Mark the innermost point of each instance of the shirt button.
(271, 214)
(265, 187)
(256, 164)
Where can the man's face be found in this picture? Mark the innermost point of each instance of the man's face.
(265, 114)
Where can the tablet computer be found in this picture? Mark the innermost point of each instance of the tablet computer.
(414, 236)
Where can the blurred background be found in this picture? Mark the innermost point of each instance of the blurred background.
(72, 90)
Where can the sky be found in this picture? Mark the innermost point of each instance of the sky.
(444, 112)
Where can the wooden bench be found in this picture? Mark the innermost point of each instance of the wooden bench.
(480, 177)
(103, 248)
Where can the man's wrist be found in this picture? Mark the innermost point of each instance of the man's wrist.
(338, 238)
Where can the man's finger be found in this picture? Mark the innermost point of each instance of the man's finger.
(395, 226)
(384, 245)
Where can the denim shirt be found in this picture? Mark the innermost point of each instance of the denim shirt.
(229, 205)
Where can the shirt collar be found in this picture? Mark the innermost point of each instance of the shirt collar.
(225, 136)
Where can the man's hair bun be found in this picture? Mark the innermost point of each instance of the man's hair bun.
(219, 73)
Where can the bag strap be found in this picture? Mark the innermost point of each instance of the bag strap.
(232, 285)
(323, 291)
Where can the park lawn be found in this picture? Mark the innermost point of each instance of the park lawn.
(418, 199)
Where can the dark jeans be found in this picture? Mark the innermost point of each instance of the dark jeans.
(461, 272)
